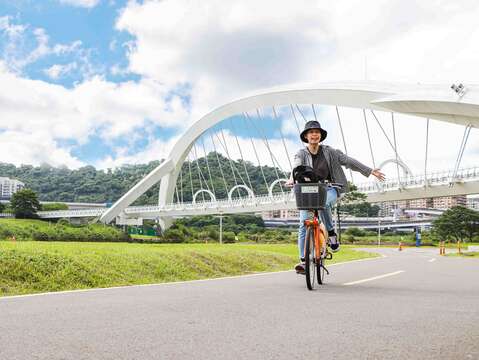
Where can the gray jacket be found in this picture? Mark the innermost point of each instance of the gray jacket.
(335, 158)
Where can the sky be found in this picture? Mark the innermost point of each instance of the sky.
(110, 82)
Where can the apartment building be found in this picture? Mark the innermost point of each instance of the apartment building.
(8, 187)
(447, 202)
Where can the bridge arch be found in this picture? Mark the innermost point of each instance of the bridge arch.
(277, 181)
(250, 192)
(406, 170)
(432, 102)
(212, 196)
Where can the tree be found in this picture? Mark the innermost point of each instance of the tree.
(457, 223)
(354, 203)
(353, 195)
(361, 209)
(54, 207)
(2, 207)
(25, 204)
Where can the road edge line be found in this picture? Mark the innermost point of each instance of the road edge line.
(173, 282)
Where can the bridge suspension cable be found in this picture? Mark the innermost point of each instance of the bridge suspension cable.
(199, 172)
(282, 139)
(208, 166)
(386, 135)
(369, 138)
(181, 185)
(396, 150)
(465, 136)
(304, 118)
(295, 120)
(241, 155)
(256, 153)
(265, 141)
(314, 112)
(232, 166)
(344, 139)
(425, 157)
(219, 164)
(191, 177)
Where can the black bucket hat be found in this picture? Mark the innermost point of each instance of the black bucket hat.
(312, 125)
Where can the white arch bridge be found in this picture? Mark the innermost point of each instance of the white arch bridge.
(192, 183)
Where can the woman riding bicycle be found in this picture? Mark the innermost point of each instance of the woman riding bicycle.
(326, 164)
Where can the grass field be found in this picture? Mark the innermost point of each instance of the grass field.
(471, 254)
(23, 229)
(30, 266)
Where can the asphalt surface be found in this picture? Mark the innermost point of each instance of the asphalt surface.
(422, 309)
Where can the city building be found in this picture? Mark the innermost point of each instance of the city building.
(473, 203)
(280, 214)
(443, 203)
(8, 187)
(447, 202)
(393, 208)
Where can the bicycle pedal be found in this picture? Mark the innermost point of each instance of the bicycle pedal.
(324, 267)
(329, 256)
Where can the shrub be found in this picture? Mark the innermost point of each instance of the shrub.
(63, 222)
(228, 237)
(174, 236)
(354, 231)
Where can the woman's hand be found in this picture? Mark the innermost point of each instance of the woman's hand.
(377, 173)
(289, 183)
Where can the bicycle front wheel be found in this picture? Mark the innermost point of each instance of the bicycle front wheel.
(320, 271)
(309, 257)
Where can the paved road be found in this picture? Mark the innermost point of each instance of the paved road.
(428, 311)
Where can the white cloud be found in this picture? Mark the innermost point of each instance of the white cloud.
(36, 148)
(224, 50)
(157, 149)
(81, 3)
(57, 70)
(12, 30)
(22, 46)
(95, 106)
(217, 51)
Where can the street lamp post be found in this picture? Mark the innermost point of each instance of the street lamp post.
(221, 227)
(379, 231)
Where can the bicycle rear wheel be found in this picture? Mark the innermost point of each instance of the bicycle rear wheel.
(310, 264)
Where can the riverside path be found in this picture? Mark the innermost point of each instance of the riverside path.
(405, 305)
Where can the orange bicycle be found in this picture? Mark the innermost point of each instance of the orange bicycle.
(312, 196)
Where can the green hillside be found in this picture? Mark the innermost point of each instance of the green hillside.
(88, 184)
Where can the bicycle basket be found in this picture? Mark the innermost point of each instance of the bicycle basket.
(310, 195)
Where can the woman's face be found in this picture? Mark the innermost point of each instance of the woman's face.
(313, 136)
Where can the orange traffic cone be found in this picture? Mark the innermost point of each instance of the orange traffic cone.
(400, 246)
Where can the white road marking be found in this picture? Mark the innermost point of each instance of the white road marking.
(374, 278)
(432, 260)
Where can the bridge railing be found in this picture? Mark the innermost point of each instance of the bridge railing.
(218, 204)
(71, 213)
(435, 178)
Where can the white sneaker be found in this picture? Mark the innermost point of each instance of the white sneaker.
(333, 243)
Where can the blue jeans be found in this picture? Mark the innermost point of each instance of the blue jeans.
(326, 218)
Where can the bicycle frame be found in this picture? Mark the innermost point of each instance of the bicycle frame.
(319, 231)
